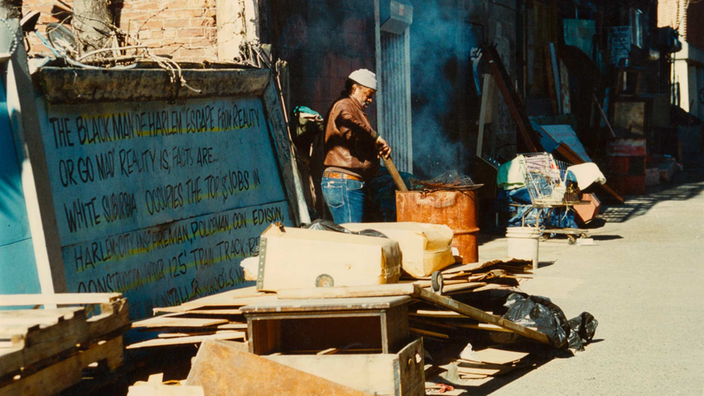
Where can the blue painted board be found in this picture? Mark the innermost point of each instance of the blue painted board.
(161, 201)
(18, 269)
(18, 273)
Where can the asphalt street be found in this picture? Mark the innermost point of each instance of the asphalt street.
(643, 280)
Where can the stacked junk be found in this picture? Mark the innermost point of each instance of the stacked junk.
(399, 308)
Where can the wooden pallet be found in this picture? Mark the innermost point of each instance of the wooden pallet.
(43, 351)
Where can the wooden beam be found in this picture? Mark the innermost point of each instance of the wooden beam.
(18, 300)
(513, 100)
(235, 335)
(388, 290)
(485, 111)
(480, 315)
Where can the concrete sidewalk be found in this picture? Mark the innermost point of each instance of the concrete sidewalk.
(643, 280)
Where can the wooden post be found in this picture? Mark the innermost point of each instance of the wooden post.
(485, 113)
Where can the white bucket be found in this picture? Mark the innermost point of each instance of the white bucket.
(523, 243)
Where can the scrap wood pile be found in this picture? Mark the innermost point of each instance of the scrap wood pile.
(438, 324)
(213, 317)
(477, 277)
(219, 316)
(44, 351)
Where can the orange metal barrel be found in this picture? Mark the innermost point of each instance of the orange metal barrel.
(456, 209)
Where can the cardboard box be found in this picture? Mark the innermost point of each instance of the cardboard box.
(425, 247)
(299, 258)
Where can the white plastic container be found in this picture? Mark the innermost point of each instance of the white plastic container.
(523, 243)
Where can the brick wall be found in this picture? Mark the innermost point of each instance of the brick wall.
(184, 29)
(695, 26)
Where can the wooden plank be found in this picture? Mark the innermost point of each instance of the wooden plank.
(394, 289)
(15, 300)
(317, 305)
(552, 92)
(42, 343)
(499, 356)
(225, 312)
(480, 315)
(149, 389)
(394, 328)
(478, 371)
(66, 372)
(429, 333)
(485, 111)
(466, 286)
(466, 376)
(329, 351)
(233, 326)
(34, 317)
(482, 326)
(177, 322)
(213, 303)
(389, 164)
(223, 370)
(437, 314)
(187, 340)
(512, 99)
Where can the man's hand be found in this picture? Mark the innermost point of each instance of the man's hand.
(382, 147)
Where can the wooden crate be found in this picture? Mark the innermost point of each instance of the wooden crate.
(44, 351)
(296, 326)
(377, 374)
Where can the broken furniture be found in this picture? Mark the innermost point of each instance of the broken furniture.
(44, 351)
(371, 324)
(361, 342)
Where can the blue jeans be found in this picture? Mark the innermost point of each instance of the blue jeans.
(345, 198)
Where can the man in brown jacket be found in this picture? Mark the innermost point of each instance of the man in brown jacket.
(352, 149)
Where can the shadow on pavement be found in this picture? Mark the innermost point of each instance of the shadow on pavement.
(686, 185)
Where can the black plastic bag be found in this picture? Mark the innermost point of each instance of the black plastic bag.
(540, 313)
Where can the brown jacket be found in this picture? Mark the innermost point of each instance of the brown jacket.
(350, 139)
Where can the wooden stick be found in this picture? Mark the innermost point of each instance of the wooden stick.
(394, 173)
(603, 115)
(480, 315)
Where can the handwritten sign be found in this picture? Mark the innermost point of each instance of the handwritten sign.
(161, 201)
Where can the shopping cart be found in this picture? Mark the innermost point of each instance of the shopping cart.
(550, 187)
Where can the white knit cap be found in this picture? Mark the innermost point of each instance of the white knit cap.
(364, 77)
